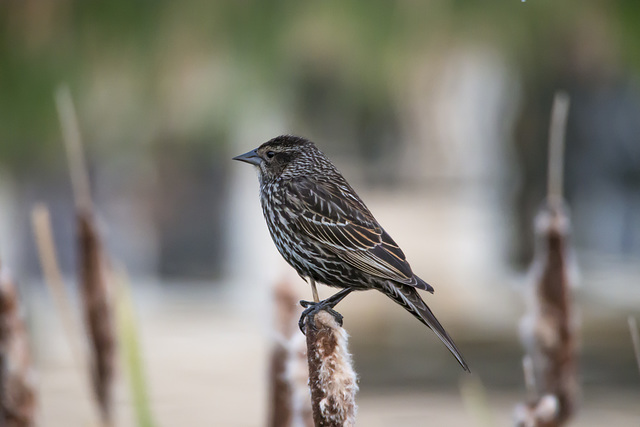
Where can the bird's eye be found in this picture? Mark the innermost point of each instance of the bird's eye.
(270, 154)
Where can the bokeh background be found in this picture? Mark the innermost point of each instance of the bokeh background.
(436, 111)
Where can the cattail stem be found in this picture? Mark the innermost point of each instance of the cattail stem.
(130, 349)
(17, 388)
(332, 379)
(41, 223)
(290, 401)
(557, 128)
(476, 402)
(635, 338)
(73, 147)
(529, 376)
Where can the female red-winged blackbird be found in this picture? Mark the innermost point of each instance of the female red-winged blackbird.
(324, 231)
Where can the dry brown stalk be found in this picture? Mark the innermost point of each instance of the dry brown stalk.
(41, 223)
(290, 403)
(332, 379)
(549, 329)
(73, 147)
(17, 385)
(557, 128)
(635, 338)
(280, 388)
(98, 310)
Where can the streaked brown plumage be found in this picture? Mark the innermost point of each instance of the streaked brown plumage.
(327, 234)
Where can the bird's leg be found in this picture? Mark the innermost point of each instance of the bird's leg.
(314, 290)
(327, 305)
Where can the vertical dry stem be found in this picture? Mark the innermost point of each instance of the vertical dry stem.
(557, 128)
(332, 379)
(290, 402)
(17, 388)
(41, 223)
(73, 147)
(635, 338)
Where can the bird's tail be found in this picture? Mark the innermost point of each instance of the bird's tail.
(409, 298)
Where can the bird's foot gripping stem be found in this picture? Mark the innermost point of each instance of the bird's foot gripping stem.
(312, 308)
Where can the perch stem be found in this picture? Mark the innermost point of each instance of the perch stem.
(557, 129)
(332, 380)
(635, 338)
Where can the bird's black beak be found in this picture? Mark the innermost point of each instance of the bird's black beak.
(250, 157)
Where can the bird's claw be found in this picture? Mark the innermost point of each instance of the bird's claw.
(312, 308)
(306, 304)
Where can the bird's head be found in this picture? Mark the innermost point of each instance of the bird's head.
(282, 155)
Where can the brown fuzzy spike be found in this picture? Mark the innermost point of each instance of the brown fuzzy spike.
(97, 312)
(332, 379)
(17, 388)
(549, 330)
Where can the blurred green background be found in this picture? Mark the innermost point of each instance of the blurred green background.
(436, 111)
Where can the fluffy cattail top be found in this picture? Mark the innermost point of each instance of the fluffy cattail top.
(331, 376)
(17, 388)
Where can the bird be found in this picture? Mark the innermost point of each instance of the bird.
(323, 229)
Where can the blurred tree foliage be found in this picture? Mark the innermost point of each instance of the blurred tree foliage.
(129, 62)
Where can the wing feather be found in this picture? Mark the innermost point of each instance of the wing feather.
(335, 217)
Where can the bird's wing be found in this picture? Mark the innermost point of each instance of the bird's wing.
(333, 215)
